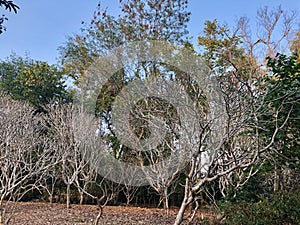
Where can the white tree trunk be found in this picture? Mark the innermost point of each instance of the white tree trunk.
(68, 196)
(166, 200)
(188, 198)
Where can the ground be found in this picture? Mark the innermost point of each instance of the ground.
(34, 213)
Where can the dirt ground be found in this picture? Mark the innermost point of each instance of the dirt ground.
(33, 213)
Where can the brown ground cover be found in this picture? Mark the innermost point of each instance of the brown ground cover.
(33, 213)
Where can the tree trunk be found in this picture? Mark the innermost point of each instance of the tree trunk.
(51, 198)
(1, 220)
(81, 197)
(127, 199)
(52, 192)
(1, 216)
(277, 179)
(99, 213)
(188, 198)
(68, 196)
(166, 200)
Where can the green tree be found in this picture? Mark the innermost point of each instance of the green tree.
(283, 98)
(33, 81)
(140, 20)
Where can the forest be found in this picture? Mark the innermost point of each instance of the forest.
(136, 116)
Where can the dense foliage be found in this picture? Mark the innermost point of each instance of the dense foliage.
(279, 208)
(34, 81)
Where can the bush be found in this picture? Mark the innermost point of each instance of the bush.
(280, 208)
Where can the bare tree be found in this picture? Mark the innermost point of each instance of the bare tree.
(81, 153)
(89, 143)
(240, 147)
(104, 192)
(85, 178)
(274, 33)
(92, 180)
(147, 122)
(128, 190)
(48, 182)
(234, 155)
(59, 121)
(24, 154)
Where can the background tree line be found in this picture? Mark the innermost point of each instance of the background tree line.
(256, 156)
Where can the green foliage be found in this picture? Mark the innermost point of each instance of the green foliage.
(221, 46)
(139, 20)
(33, 81)
(279, 208)
(250, 192)
(283, 98)
(224, 52)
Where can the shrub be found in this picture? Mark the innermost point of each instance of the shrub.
(280, 208)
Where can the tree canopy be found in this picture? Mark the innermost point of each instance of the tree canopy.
(34, 81)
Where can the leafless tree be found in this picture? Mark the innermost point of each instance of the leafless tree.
(129, 190)
(160, 173)
(85, 178)
(48, 182)
(81, 153)
(103, 192)
(274, 33)
(24, 153)
(239, 150)
(91, 150)
(59, 121)
(92, 180)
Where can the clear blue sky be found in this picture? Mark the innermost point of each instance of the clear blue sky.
(41, 26)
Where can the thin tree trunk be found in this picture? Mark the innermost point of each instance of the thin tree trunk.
(51, 198)
(127, 200)
(81, 197)
(276, 179)
(166, 201)
(68, 196)
(1, 216)
(97, 220)
(1, 212)
(52, 191)
(188, 198)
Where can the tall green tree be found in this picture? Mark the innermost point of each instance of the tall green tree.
(34, 81)
(139, 20)
(283, 98)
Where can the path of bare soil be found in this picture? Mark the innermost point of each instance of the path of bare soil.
(33, 213)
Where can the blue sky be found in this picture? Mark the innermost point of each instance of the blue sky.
(41, 26)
